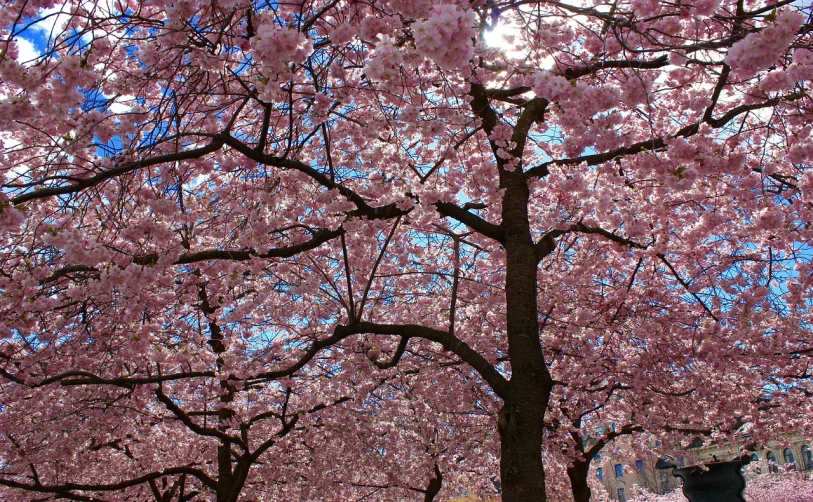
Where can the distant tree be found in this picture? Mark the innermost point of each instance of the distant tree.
(227, 224)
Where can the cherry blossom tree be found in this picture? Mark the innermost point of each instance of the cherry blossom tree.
(614, 389)
(241, 239)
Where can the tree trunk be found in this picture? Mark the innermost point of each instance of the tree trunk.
(578, 481)
(521, 470)
(521, 419)
(224, 484)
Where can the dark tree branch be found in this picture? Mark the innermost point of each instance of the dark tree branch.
(363, 208)
(686, 286)
(471, 220)
(191, 425)
(399, 352)
(449, 342)
(433, 488)
(65, 488)
(373, 271)
(547, 243)
(72, 378)
(502, 94)
(656, 144)
(319, 237)
(481, 107)
(573, 73)
(195, 153)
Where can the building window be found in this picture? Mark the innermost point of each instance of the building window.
(639, 465)
(755, 461)
(771, 458)
(600, 473)
(619, 471)
(622, 495)
(790, 462)
(807, 458)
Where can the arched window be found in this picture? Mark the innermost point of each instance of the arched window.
(807, 458)
(790, 462)
(771, 458)
(755, 461)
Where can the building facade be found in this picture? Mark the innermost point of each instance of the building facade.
(621, 471)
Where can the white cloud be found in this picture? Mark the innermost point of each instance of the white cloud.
(51, 21)
(26, 52)
(120, 104)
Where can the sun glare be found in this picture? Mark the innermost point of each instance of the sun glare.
(505, 37)
(502, 37)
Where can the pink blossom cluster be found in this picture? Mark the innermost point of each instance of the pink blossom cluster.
(785, 78)
(802, 67)
(247, 274)
(705, 7)
(776, 81)
(786, 487)
(760, 49)
(411, 8)
(275, 46)
(646, 8)
(550, 86)
(10, 217)
(446, 36)
(385, 62)
(77, 248)
(321, 107)
(342, 33)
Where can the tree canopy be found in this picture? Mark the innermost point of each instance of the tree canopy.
(336, 249)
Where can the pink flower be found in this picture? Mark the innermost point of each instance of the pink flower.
(759, 50)
(446, 36)
(551, 87)
(275, 46)
(705, 7)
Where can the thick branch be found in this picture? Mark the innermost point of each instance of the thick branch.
(507, 93)
(449, 342)
(121, 485)
(191, 425)
(547, 243)
(319, 237)
(195, 153)
(481, 107)
(656, 144)
(363, 208)
(573, 73)
(72, 378)
(399, 352)
(686, 287)
(471, 220)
